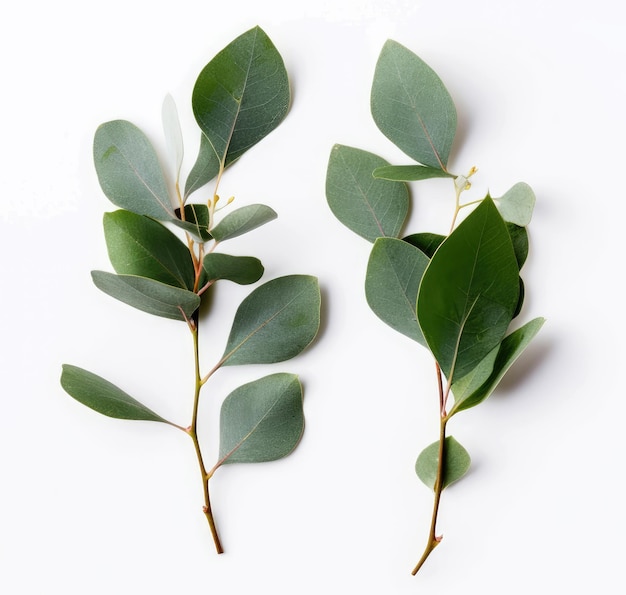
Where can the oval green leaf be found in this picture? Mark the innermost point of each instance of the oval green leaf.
(412, 107)
(517, 204)
(242, 221)
(241, 95)
(275, 322)
(100, 395)
(394, 272)
(457, 463)
(261, 421)
(369, 207)
(129, 171)
(142, 247)
(409, 173)
(148, 295)
(469, 292)
(238, 269)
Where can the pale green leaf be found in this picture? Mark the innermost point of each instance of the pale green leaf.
(409, 173)
(262, 420)
(412, 107)
(371, 208)
(393, 277)
(148, 295)
(100, 395)
(456, 463)
(517, 204)
(275, 322)
(241, 95)
(173, 135)
(242, 220)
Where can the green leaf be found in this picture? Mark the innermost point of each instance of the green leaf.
(412, 107)
(394, 273)
(519, 237)
(206, 167)
(517, 204)
(100, 395)
(129, 171)
(469, 292)
(456, 463)
(143, 247)
(425, 241)
(242, 220)
(369, 207)
(409, 173)
(275, 322)
(197, 221)
(173, 135)
(148, 295)
(239, 269)
(470, 392)
(241, 95)
(262, 420)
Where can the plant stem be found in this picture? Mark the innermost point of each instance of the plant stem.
(193, 433)
(433, 539)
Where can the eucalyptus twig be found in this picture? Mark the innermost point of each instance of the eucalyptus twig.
(455, 295)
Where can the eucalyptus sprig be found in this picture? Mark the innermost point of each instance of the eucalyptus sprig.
(455, 295)
(240, 96)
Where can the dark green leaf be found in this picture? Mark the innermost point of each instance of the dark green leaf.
(409, 173)
(456, 463)
(517, 204)
(143, 247)
(206, 167)
(129, 171)
(394, 273)
(262, 420)
(241, 221)
(275, 322)
(412, 107)
(425, 241)
(100, 395)
(197, 221)
(148, 295)
(519, 237)
(241, 95)
(369, 207)
(469, 292)
(239, 269)
(469, 392)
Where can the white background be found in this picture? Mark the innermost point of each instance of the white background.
(92, 505)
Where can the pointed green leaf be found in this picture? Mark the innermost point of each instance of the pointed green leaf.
(371, 208)
(409, 173)
(469, 292)
(173, 135)
(262, 420)
(425, 241)
(143, 247)
(517, 204)
(239, 269)
(206, 167)
(275, 322)
(242, 221)
(470, 392)
(100, 395)
(241, 95)
(129, 171)
(457, 463)
(197, 221)
(412, 107)
(394, 273)
(148, 295)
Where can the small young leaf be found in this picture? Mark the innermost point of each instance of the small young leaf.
(369, 207)
(427, 242)
(469, 292)
(242, 220)
(173, 135)
(100, 395)
(241, 95)
(467, 394)
(262, 420)
(517, 204)
(148, 295)
(275, 322)
(142, 247)
(197, 221)
(409, 173)
(456, 463)
(394, 273)
(206, 167)
(239, 269)
(129, 171)
(412, 107)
